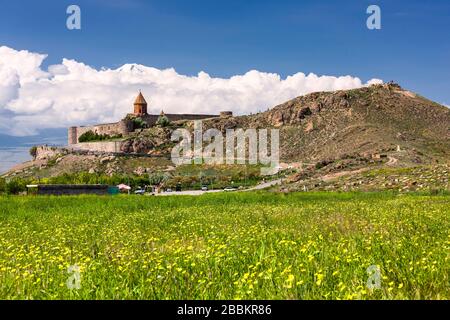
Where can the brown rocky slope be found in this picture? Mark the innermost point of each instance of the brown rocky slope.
(328, 132)
(361, 122)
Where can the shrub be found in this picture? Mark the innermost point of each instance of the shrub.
(158, 178)
(88, 136)
(162, 121)
(16, 186)
(2, 185)
(138, 123)
(92, 136)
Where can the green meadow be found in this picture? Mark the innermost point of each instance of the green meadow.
(226, 246)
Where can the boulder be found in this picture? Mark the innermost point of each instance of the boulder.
(303, 112)
(107, 159)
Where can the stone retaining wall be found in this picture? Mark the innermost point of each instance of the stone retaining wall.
(101, 146)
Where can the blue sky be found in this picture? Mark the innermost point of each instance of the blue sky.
(230, 37)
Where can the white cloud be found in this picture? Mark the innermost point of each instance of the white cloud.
(9, 85)
(26, 64)
(72, 93)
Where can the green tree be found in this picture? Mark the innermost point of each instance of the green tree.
(33, 152)
(138, 123)
(92, 136)
(158, 178)
(2, 185)
(16, 186)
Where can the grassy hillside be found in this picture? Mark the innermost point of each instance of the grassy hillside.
(434, 178)
(226, 246)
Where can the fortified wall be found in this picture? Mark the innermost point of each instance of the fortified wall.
(125, 126)
(99, 146)
(151, 119)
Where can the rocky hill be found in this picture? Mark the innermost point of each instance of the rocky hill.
(363, 122)
(323, 133)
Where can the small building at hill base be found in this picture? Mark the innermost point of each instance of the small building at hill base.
(69, 189)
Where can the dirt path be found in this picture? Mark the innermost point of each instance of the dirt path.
(392, 161)
(335, 175)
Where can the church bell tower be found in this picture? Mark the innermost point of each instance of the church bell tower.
(140, 105)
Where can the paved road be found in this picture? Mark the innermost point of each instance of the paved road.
(199, 192)
(186, 193)
(264, 185)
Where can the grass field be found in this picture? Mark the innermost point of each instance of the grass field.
(225, 246)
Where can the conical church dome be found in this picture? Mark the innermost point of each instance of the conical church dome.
(140, 105)
(140, 99)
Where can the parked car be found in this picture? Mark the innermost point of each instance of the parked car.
(168, 190)
(229, 189)
(140, 192)
(204, 188)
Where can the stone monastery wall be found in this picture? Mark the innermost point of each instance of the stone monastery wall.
(125, 126)
(101, 146)
(121, 127)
